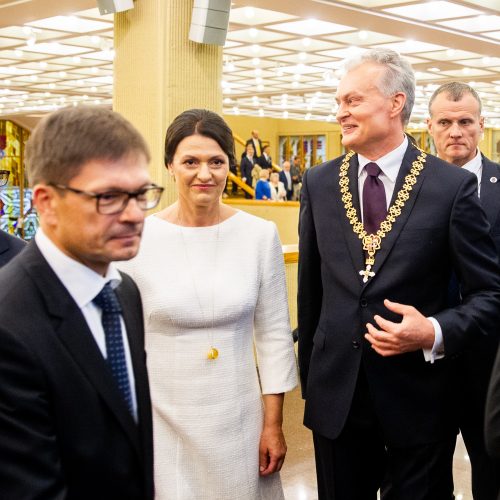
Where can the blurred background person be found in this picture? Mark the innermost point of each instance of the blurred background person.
(248, 161)
(456, 126)
(256, 143)
(278, 191)
(10, 246)
(296, 173)
(262, 189)
(217, 430)
(286, 178)
(265, 161)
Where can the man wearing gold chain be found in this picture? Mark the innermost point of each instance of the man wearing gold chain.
(381, 230)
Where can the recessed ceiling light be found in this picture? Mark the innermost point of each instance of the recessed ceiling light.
(306, 42)
(260, 88)
(363, 35)
(255, 48)
(249, 12)
(302, 56)
(255, 61)
(285, 114)
(261, 112)
(253, 32)
(236, 110)
(18, 52)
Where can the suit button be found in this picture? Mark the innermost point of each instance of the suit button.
(355, 344)
(363, 302)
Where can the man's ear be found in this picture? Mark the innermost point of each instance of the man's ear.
(398, 103)
(45, 201)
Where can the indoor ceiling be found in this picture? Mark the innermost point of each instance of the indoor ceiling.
(282, 61)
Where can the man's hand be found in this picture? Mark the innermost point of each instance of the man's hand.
(415, 331)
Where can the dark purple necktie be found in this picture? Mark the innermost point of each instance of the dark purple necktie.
(374, 202)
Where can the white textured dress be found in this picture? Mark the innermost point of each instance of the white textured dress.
(208, 414)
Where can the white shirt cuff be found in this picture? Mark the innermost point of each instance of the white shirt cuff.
(437, 351)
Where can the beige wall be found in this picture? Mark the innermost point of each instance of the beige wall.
(270, 129)
(284, 215)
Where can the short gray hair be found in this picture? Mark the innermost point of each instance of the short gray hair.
(399, 76)
(455, 91)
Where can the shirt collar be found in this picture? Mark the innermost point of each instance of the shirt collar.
(475, 164)
(389, 163)
(82, 283)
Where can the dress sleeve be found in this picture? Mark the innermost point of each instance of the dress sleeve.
(273, 337)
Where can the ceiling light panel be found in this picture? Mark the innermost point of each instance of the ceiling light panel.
(370, 38)
(311, 27)
(262, 37)
(55, 48)
(253, 16)
(474, 24)
(71, 24)
(297, 44)
(431, 11)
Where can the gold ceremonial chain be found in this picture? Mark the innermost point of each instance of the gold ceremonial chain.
(372, 242)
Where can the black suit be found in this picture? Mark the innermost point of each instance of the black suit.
(288, 185)
(246, 167)
(441, 228)
(10, 246)
(476, 364)
(66, 431)
(265, 162)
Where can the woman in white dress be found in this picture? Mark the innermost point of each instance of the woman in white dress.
(212, 282)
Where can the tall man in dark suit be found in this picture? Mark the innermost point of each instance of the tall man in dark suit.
(456, 126)
(381, 230)
(10, 246)
(75, 415)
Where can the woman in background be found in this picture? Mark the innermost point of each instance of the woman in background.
(262, 189)
(212, 282)
(278, 191)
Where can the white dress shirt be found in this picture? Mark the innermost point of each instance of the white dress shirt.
(389, 165)
(476, 167)
(83, 284)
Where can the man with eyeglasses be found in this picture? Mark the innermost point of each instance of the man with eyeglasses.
(10, 246)
(75, 415)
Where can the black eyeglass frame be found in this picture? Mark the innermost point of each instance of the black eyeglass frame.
(130, 194)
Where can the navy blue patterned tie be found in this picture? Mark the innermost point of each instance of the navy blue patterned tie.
(374, 201)
(111, 309)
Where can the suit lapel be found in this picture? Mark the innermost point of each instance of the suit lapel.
(391, 237)
(351, 238)
(490, 191)
(71, 328)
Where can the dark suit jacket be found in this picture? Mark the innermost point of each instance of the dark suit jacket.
(441, 227)
(10, 246)
(492, 421)
(66, 431)
(476, 363)
(246, 167)
(265, 163)
(288, 186)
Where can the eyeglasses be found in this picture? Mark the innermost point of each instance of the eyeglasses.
(4, 177)
(114, 202)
